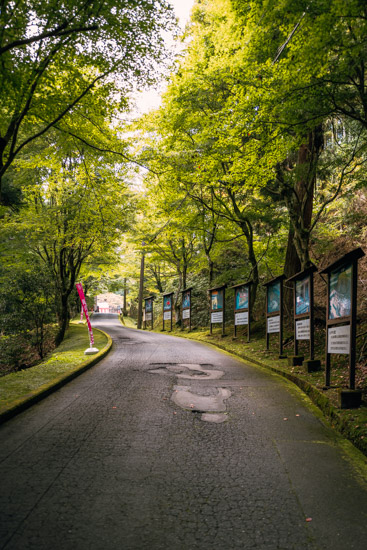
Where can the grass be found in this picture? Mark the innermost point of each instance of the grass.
(65, 359)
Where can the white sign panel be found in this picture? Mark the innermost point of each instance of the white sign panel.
(303, 330)
(274, 324)
(241, 318)
(217, 317)
(148, 316)
(185, 314)
(167, 315)
(339, 340)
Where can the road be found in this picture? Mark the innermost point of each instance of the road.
(170, 444)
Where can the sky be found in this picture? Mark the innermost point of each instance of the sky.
(150, 99)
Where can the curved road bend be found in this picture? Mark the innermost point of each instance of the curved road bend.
(202, 453)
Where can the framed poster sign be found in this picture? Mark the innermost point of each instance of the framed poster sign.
(186, 307)
(217, 307)
(303, 322)
(148, 311)
(242, 313)
(274, 311)
(341, 319)
(167, 309)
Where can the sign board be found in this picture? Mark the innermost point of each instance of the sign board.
(274, 324)
(148, 316)
(339, 339)
(341, 312)
(186, 307)
(186, 313)
(217, 307)
(241, 318)
(217, 317)
(167, 315)
(303, 331)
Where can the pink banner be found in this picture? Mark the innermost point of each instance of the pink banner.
(79, 288)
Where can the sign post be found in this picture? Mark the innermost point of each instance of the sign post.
(167, 308)
(242, 309)
(304, 326)
(274, 311)
(148, 309)
(217, 307)
(186, 306)
(341, 320)
(91, 350)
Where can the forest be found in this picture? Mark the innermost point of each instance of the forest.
(252, 167)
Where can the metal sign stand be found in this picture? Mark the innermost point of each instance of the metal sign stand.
(274, 311)
(186, 307)
(341, 321)
(242, 310)
(303, 313)
(148, 308)
(217, 313)
(167, 309)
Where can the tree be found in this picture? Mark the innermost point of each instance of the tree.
(64, 65)
(75, 212)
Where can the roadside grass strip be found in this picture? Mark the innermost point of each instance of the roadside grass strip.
(19, 390)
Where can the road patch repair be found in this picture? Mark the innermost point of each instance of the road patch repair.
(210, 401)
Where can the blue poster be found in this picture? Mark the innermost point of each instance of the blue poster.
(241, 301)
(217, 299)
(340, 292)
(149, 305)
(303, 296)
(167, 302)
(274, 297)
(186, 300)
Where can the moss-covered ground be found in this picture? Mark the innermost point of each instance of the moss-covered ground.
(65, 359)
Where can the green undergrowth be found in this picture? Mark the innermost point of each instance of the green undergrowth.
(351, 423)
(128, 321)
(64, 359)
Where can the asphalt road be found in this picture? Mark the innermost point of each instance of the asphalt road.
(169, 444)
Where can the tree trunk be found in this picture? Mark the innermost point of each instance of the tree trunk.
(63, 319)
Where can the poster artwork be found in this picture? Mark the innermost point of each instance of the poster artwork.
(149, 305)
(217, 299)
(340, 292)
(303, 296)
(167, 303)
(274, 297)
(186, 300)
(241, 301)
